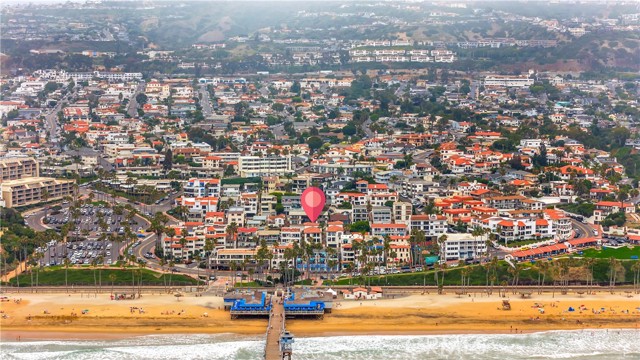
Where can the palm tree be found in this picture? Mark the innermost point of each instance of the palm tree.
(464, 271)
(232, 230)
(158, 226)
(636, 275)
(614, 265)
(417, 240)
(588, 264)
(183, 244)
(441, 242)
(443, 267)
(141, 265)
(289, 254)
(349, 268)
(515, 272)
(162, 264)
(45, 195)
(171, 265)
(100, 262)
(112, 278)
(38, 256)
(494, 273)
(542, 268)
(94, 265)
(66, 262)
(208, 250)
(386, 246)
(198, 259)
(233, 266)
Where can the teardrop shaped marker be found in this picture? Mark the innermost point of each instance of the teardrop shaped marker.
(313, 200)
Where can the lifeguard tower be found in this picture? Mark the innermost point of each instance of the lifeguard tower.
(286, 345)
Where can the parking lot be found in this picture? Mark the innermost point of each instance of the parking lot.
(88, 221)
(80, 252)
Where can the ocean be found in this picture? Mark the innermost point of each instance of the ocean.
(583, 345)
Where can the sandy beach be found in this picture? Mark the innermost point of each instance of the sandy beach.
(63, 316)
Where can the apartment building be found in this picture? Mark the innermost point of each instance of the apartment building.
(197, 207)
(508, 81)
(463, 247)
(606, 208)
(524, 229)
(432, 225)
(224, 257)
(506, 202)
(255, 166)
(402, 212)
(28, 191)
(202, 188)
(560, 222)
(383, 230)
(18, 168)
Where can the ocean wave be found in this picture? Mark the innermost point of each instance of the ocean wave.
(587, 344)
(156, 347)
(578, 345)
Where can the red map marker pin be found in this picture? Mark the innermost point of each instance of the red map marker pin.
(313, 200)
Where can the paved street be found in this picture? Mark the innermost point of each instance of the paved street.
(205, 102)
(133, 104)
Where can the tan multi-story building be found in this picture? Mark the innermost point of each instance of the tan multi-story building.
(402, 212)
(18, 168)
(28, 191)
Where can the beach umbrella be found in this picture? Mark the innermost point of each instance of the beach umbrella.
(178, 296)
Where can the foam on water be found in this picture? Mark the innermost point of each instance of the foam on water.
(588, 344)
(582, 345)
(157, 347)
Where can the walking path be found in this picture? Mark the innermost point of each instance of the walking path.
(276, 325)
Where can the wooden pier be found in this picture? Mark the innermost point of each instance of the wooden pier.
(275, 329)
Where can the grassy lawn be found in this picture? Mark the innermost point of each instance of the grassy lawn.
(248, 284)
(514, 244)
(80, 277)
(305, 282)
(623, 253)
(477, 276)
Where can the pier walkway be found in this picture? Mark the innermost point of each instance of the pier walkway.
(276, 326)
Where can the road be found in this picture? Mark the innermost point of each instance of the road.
(132, 110)
(205, 102)
(34, 221)
(582, 230)
(51, 119)
(367, 131)
(423, 156)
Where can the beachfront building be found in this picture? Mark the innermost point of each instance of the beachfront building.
(18, 168)
(34, 190)
(516, 229)
(225, 257)
(560, 223)
(464, 247)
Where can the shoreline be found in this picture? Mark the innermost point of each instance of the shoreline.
(30, 335)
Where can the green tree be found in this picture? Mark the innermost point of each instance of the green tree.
(314, 143)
